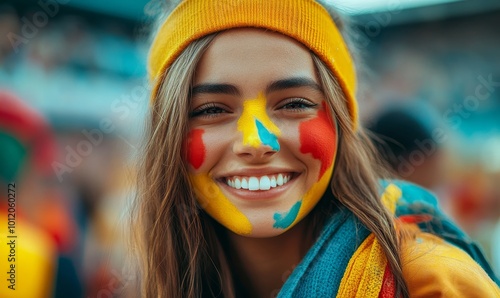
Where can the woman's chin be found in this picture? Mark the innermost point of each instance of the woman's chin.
(265, 230)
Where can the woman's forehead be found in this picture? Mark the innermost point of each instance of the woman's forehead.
(245, 54)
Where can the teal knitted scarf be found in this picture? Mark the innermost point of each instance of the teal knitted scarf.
(321, 270)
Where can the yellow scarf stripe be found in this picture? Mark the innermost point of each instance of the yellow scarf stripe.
(303, 20)
(365, 271)
(391, 196)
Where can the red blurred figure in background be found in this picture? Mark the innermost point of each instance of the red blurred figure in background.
(43, 226)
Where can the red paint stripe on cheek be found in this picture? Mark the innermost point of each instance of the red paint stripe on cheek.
(318, 137)
(195, 148)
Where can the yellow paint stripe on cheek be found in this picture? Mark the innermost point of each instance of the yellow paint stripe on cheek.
(255, 109)
(314, 194)
(213, 201)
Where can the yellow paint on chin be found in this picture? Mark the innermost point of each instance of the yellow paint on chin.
(255, 109)
(313, 195)
(215, 203)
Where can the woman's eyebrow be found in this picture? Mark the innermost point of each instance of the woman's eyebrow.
(215, 89)
(293, 83)
(278, 85)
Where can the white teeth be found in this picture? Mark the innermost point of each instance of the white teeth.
(279, 181)
(265, 183)
(244, 183)
(253, 183)
(258, 183)
(237, 183)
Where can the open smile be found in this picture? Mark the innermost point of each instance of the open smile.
(255, 183)
(258, 187)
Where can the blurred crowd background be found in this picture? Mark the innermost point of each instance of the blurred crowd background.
(74, 95)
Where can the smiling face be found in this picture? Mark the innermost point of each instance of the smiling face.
(262, 142)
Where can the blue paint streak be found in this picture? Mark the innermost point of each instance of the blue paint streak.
(266, 137)
(284, 220)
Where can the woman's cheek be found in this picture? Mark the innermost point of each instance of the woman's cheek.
(318, 137)
(195, 147)
(208, 193)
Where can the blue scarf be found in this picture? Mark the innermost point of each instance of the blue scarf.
(321, 270)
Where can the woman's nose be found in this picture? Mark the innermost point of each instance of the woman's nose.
(259, 135)
(257, 141)
(254, 151)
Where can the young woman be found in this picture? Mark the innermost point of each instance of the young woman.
(257, 179)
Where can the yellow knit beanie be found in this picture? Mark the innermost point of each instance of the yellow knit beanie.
(303, 20)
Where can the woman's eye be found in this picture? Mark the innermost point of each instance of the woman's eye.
(209, 110)
(297, 104)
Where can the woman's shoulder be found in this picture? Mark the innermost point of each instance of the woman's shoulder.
(434, 268)
(438, 258)
(412, 203)
(411, 193)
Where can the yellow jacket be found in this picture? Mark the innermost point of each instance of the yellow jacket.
(27, 261)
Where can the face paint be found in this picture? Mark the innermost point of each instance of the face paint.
(256, 126)
(213, 201)
(241, 124)
(266, 137)
(208, 194)
(195, 148)
(319, 138)
(284, 220)
(257, 130)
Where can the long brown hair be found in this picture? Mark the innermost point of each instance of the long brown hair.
(179, 246)
(355, 179)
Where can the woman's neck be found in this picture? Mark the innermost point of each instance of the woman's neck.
(262, 265)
